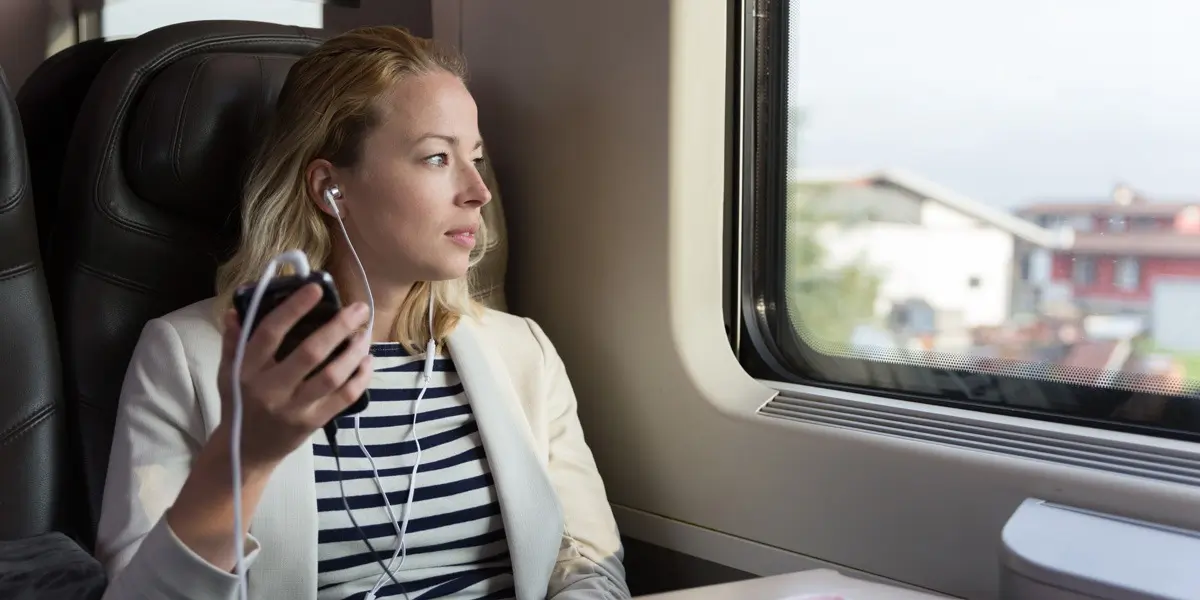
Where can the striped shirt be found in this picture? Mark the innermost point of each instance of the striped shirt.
(455, 537)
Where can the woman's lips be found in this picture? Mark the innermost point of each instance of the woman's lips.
(463, 237)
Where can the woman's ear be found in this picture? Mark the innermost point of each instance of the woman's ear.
(319, 179)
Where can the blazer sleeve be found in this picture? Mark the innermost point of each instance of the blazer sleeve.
(158, 433)
(589, 564)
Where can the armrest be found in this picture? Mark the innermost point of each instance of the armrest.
(49, 567)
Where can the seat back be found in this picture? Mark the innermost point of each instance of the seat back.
(157, 161)
(32, 457)
(49, 102)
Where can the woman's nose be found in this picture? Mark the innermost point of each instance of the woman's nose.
(475, 192)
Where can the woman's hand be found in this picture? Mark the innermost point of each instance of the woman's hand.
(281, 407)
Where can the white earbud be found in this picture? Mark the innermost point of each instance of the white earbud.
(298, 260)
(332, 194)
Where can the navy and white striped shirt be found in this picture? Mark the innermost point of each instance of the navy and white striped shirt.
(455, 537)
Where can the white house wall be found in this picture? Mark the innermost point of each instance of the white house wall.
(1041, 266)
(936, 214)
(934, 264)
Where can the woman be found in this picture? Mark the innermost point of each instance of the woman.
(506, 500)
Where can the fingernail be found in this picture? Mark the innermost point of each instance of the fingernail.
(359, 309)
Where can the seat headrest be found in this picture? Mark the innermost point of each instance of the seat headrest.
(165, 128)
(18, 229)
(14, 183)
(194, 128)
(49, 102)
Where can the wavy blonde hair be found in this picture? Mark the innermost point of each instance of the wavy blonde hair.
(327, 106)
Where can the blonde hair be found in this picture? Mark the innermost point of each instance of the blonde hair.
(327, 106)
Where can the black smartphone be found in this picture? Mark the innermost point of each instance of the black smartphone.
(280, 289)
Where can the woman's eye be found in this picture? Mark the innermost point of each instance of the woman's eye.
(480, 164)
(438, 160)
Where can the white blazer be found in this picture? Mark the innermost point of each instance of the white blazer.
(561, 534)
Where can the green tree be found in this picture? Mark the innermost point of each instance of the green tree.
(825, 303)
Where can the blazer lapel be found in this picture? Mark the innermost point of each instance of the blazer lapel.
(532, 516)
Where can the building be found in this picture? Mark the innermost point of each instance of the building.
(946, 262)
(1123, 248)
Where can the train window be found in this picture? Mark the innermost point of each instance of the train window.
(128, 18)
(928, 193)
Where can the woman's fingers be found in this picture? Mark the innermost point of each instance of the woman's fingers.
(231, 331)
(325, 409)
(321, 343)
(273, 326)
(336, 373)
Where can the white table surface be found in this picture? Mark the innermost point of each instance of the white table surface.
(818, 584)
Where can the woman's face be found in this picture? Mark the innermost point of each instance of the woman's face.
(412, 203)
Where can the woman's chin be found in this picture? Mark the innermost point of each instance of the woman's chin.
(448, 271)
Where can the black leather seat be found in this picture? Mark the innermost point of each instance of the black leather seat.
(37, 561)
(156, 164)
(49, 102)
(31, 402)
(147, 213)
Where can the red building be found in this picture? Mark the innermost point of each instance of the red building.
(1121, 247)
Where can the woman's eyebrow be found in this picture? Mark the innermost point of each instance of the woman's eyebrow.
(450, 139)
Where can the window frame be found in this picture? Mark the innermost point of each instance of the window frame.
(1123, 264)
(770, 348)
(1083, 271)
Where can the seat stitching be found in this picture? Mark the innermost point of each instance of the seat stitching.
(27, 424)
(187, 94)
(14, 199)
(128, 284)
(17, 271)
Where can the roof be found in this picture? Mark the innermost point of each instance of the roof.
(1096, 354)
(1149, 209)
(929, 190)
(1151, 243)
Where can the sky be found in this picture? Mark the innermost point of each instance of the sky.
(1004, 101)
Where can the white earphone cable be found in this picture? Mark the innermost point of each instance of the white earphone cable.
(387, 505)
(401, 550)
(300, 263)
(331, 199)
(401, 544)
